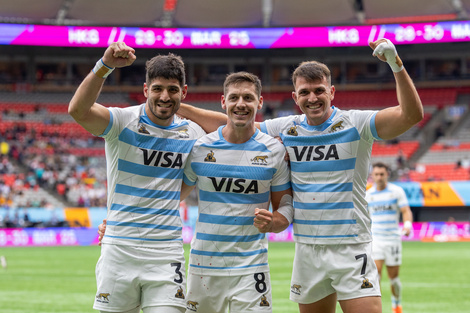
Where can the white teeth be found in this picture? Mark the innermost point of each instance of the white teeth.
(314, 107)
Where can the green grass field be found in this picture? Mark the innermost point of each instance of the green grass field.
(435, 278)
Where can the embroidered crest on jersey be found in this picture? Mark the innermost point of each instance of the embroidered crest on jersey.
(264, 301)
(103, 297)
(210, 157)
(179, 293)
(336, 127)
(295, 289)
(293, 131)
(183, 133)
(192, 305)
(366, 284)
(143, 130)
(260, 160)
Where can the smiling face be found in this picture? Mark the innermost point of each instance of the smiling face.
(163, 99)
(314, 99)
(241, 103)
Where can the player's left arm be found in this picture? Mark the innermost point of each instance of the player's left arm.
(280, 218)
(394, 121)
(407, 220)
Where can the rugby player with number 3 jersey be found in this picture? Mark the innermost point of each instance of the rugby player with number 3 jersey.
(142, 262)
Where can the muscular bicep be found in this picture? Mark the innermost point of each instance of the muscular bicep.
(391, 122)
(96, 120)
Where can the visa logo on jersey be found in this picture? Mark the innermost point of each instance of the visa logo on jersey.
(236, 185)
(314, 153)
(162, 158)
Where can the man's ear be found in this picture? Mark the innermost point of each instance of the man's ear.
(222, 102)
(184, 92)
(146, 90)
(294, 96)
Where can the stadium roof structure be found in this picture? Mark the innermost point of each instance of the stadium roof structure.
(226, 13)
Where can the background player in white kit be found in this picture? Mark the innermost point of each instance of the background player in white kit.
(142, 259)
(386, 201)
(238, 171)
(329, 152)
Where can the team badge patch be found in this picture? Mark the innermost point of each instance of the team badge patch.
(264, 301)
(260, 160)
(143, 130)
(295, 289)
(293, 131)
(366, 284)
(179, 293)
(183, 133)
(192, 305)
(210, 157)
(103, 297)
(336, 127)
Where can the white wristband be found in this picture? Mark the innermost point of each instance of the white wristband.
(286, 208)
(407, 225)
(102, 70)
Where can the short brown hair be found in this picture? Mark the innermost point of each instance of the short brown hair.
(312, 71)
(240, 77)
(169, 66)
(381, 165)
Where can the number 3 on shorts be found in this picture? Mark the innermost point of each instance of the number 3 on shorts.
(178, 280)
(260, 285)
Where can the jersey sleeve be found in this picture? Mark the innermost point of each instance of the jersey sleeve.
(189, 176)
(114, 126)
(364, 120)
(281, 178)
(272, 127)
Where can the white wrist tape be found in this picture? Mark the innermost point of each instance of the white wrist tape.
(407, 225)
(286, 208)
(388, 50)
(101, 69)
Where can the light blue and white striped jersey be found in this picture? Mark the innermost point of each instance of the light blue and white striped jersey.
(385, 209)
(329, 167)
(145, 164)
(233, 180)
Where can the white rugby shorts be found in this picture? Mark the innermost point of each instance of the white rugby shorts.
(239, 294)
(389, 251)
(321, 270)
(129, 276)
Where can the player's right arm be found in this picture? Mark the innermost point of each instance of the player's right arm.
(83, 107)
(209, 120)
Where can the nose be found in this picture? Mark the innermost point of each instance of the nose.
(240, 102)
(312, 97)
(165, 96)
